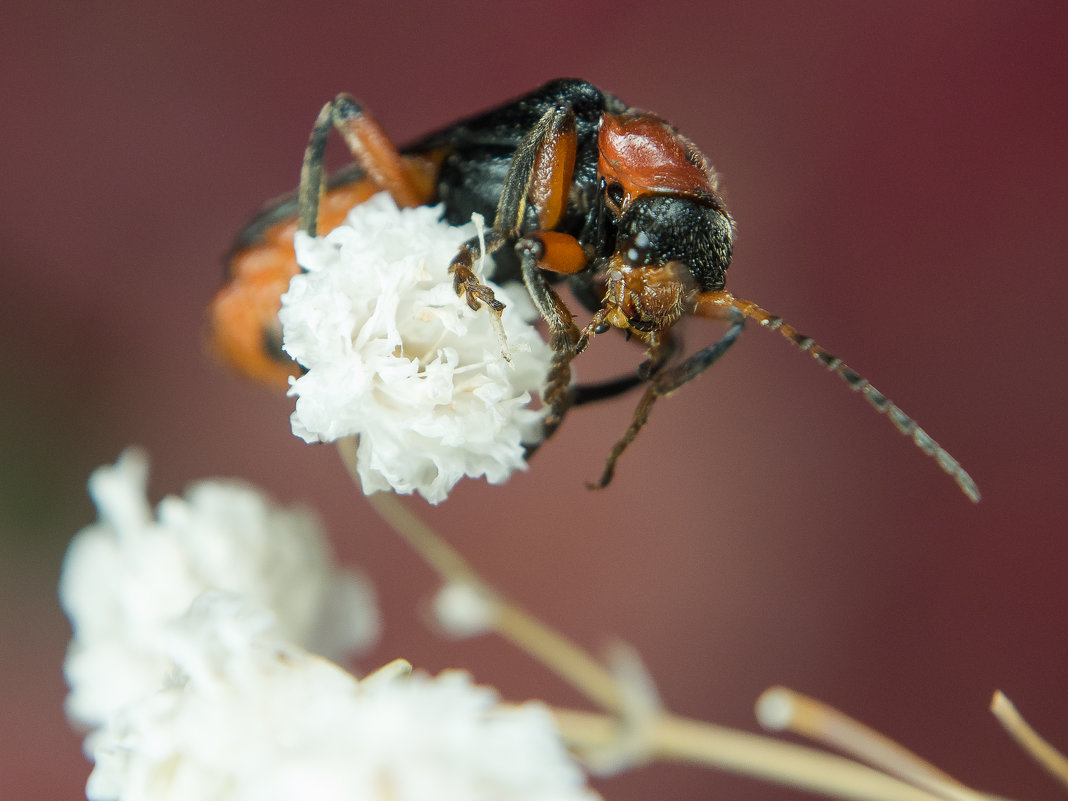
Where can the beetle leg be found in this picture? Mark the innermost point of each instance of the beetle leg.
(464, 279)
(554, 252)
(664, 383)
(540, 172)
(559, 253)
(662, 348)
(370, 147)
(659, 355)
(604, 390)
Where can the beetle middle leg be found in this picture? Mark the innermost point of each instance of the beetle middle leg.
(540, 173)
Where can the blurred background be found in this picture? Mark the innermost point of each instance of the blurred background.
(898, 173)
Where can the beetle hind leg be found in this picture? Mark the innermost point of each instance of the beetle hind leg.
(370, 147)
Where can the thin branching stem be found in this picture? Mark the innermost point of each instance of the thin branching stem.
(1028, 739)
(670, 737)
(782, 709)
(680, 739)
(522, 629)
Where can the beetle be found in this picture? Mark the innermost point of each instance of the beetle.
(581, 188)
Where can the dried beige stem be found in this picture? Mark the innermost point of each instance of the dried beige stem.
(782, 709)
(1028, 739)
(528, 633)
(678, 739)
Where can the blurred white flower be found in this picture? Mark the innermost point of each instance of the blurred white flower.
(395, 358)
(250, 717)
(126, 577)
(463, 609)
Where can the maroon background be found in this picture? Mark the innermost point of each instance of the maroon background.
(898, 174)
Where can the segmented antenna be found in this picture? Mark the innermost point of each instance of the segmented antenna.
(858, 383)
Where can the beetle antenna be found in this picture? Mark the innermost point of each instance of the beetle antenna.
(858, 383)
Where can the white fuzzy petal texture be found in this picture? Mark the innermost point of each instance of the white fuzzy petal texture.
(128, 576)
(395, 358)
(248, 717)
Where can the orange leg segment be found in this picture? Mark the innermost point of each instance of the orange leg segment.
(554, 252)
(540, 172)
(370, 147)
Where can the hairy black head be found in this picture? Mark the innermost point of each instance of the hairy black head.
(658, 229)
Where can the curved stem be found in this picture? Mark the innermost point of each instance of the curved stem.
(668, 736)
(782, 709)
(682, 740)
(544, 644)
(1028, 739)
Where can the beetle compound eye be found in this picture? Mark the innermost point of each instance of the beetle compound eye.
(636, 249)
(659, 229)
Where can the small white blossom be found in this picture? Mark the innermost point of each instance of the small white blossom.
(395, 358)
(462, 609)
(126, 577)
(249, 717)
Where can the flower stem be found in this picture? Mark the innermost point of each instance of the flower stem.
(523, 630)
(682, 740)
(782, 709)
(670, 737)
(1028, 739)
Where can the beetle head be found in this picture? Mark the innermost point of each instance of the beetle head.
(673, 234)
(668, 249)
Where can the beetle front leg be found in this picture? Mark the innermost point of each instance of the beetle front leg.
(663, 346)
(664, 383)
(548, 251)
(554, 252)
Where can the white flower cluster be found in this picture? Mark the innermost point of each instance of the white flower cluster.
(251, 719)
(132, 574)
(213, 697)
(395, 358)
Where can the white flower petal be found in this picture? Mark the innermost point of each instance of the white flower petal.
(395, 358)
(129, 575)
(251, 717)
